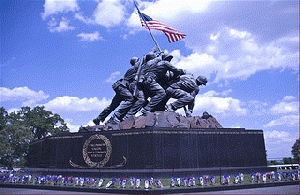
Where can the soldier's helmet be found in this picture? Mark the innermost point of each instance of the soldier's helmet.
(205, 115)
(150, 56)
(201, 80)
(167, 57)
(134, 60)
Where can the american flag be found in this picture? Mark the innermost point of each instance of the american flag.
(171, 33)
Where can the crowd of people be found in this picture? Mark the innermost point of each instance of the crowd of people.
(148, 85)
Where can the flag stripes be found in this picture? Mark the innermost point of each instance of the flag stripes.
(171, 33)
(172, 37)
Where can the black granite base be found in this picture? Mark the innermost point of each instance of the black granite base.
(152, 150)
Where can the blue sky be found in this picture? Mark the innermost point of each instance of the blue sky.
(65, 55)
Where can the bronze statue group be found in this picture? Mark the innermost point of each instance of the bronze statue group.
(148, 85)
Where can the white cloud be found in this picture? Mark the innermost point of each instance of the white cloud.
(174, 9)
(13, 110)
(286, 121)
(113, 77)
(108, 13)
(73, 128)
(218, 106)
(25, 94)
(63, 25)
(276, 135)
(257, 108)
(57, 6)
(221, 106)
(234, 54)
(286, 106)
(90, 36)
(237, 126)
(67, 103)
(279, 138)
(91, 123)
(214, 93)
(52, 23)
(222, 45)
(86, 20)
(279, 143)
(196, 62)
(289, 98)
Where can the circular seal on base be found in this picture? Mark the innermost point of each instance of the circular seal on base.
(96, 151)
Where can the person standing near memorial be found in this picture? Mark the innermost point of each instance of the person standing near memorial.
(185, 91)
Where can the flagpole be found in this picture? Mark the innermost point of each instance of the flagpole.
(147, 26)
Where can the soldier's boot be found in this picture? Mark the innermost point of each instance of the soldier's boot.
(127, 117)
(188, 113)
(170, 108)
(144, 112)
(98, 120)
(113, 120)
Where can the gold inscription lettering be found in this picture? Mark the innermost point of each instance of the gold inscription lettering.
(94, 145)
(97, 152)
(96, 155)
(97, 148)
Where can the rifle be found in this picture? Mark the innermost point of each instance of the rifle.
(138, 77)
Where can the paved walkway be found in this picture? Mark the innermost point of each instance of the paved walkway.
(292, 189)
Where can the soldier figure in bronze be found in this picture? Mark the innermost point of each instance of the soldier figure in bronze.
(185, 91)
(154, 73)
(156, 78)
(123, 98)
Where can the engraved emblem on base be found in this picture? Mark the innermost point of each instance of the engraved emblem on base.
(96, 151)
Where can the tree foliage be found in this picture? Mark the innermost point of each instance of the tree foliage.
(295, 151)
(43, 123)
(3, 118)
(19, 129)
(287, 160)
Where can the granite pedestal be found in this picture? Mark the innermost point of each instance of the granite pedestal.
(152, 151)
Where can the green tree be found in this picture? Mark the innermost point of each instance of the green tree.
(3, 118)
(287, 160)
(273, 162)
(19, 129)
(14, 139)
(295, 151)
(43, 123)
